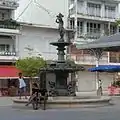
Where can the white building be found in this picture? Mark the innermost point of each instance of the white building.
(38, 39)
(14, 41)
(8, 31)
(41, 11)
(94, 19)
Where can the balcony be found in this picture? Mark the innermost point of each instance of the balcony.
(8, 56)
(9, 27)
(86, 16)
(9, 4)
(88, 59)
(90, 35)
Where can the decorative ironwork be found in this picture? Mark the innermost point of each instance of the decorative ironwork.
(10, 3)
(71, 88)
(52, 91)
(9, 24)
(7, 53)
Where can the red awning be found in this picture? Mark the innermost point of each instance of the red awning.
(9, 72)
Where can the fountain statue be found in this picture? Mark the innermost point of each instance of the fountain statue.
(60, 69)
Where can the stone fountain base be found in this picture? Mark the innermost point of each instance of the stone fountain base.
(70, 102)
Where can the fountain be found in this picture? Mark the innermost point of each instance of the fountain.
(54, 79)
(60, 68)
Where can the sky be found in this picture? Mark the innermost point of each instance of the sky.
(37, 14)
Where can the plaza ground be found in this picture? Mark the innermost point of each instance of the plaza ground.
(8, 112)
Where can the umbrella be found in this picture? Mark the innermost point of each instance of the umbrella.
(105, 68)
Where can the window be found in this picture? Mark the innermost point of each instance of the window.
(71, 26)
(4, 48)
(79, 27)
(80, 8)
(113, 29)
(115, 57)
(109, 11)
(93, 28)
(94, 9)
(3, 16)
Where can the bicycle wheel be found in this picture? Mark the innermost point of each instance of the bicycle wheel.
(35, 104)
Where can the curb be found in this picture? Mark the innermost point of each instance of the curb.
(70, 103)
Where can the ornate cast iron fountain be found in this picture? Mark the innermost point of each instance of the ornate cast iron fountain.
(60, 68)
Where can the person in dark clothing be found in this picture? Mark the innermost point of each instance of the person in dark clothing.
(35, 89)
(35, 94)
(43, 93)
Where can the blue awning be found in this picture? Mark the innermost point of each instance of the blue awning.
(105, 68)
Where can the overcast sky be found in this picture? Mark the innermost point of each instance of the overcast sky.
(38, 15)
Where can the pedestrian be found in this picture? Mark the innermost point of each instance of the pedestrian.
(22, 86)
(100, 87)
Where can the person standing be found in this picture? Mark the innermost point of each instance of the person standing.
(22, 86)
(100, 92)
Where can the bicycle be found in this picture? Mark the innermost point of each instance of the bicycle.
(37, 100)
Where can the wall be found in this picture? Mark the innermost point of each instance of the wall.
(37, 15)
(86, 81)
(39, 39)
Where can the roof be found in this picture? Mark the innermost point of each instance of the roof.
(112, 42)
(37, 25)
(8, 72)
(117, 1)
(41, 26)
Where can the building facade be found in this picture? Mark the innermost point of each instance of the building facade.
(38, 39)
(8, 31)
(94, 19)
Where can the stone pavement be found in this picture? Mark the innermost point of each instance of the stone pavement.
(101, 113)
(8, 101)
(5, 101)
(91, 93)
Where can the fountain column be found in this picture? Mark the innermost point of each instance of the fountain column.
(62, 73)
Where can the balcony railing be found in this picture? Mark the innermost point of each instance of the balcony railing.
(88, 59)
(9, 3)
(9, 24)
(8, 53)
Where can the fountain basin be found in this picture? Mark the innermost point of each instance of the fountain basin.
(71, 102)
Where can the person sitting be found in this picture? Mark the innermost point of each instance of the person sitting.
(44, 94)
(35, 94)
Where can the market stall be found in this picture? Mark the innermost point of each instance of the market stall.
(8, 80)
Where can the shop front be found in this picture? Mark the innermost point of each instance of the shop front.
(114, 88)
(9, 81)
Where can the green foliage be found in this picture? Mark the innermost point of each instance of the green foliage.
(30, 65)
(117, 22)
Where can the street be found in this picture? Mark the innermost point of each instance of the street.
(112, 112)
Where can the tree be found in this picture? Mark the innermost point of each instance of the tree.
(117, 22)
(30, 65)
